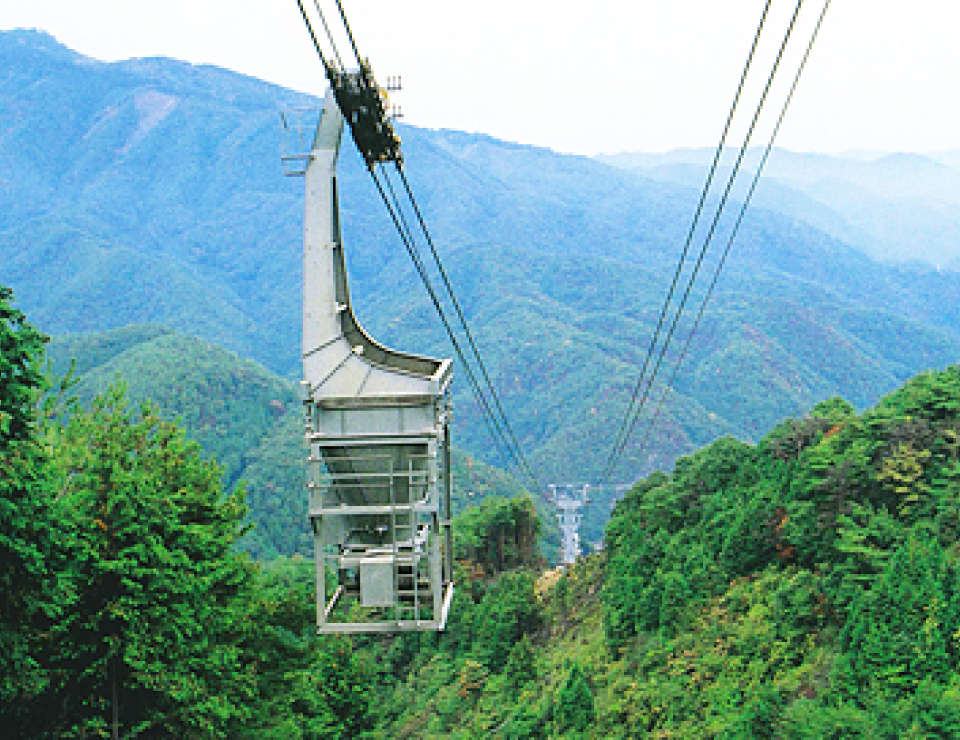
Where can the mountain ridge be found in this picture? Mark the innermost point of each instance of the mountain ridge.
(176, 214)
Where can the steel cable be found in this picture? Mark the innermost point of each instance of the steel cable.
(399, 222)
(346, 26)
(463, 320)
(406, 234)
(623, 433)
(736, 227)
(313, 36)
(719, 212)
(333, 44)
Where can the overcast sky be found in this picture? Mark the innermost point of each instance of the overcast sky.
(575, 76)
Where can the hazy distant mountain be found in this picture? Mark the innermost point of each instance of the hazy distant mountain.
(150, 191)
(894, 207)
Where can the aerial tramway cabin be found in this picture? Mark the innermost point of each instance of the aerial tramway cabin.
(376, 422)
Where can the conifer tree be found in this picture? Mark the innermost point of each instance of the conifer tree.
(27, 583)
(151, 635)
(521, 666)
(574, 710)
(899, 633)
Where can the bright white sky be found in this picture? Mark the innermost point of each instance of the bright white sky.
(573, 75)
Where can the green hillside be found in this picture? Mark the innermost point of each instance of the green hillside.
(227, 404)
(806, 586)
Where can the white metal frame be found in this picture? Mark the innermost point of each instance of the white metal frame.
(377, 424)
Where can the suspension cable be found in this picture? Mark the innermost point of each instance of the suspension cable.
(736, 227)
(313, 36)
(719, 212)
(323, 20)
(410, 243)
(346, 25)
(463, 320)
(396, 214)
(501, 424)
(622, 433)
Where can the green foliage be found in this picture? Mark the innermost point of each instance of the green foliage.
(834, 489)
(525, 724)
(806, 586)
(28, 536)
(128, 607)
(475, 481)
(745, 654)
(21, 379)
(745, 594)
(902, 631)
(833, 411)
(228, 404)
(669, 539)
(521, 666)
(498, 534)
(505, 615)
(932, 712)
(574, 710)
(480, 676)
(147, 639)
(241, 414)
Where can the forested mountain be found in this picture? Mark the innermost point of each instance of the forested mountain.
(149, 191)
(803, 587)
(129, 607)
(806, 586)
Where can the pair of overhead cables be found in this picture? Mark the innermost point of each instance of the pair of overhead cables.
(635, 407)
(489, 402)
(361, 102)
(736, 227)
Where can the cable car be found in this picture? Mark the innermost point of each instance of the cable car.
(377, 428)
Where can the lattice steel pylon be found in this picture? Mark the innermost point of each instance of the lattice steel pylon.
(569, 498)
(377, 426)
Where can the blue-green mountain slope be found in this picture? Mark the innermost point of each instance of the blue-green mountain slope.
(149, 191)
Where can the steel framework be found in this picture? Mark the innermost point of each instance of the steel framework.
(377, 426)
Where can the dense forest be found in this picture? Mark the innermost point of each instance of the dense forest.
(805, 586)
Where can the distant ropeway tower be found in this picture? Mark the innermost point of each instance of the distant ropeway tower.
(569, 498)
(377, 427)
